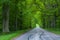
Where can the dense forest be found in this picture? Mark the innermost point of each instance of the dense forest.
(25, 14)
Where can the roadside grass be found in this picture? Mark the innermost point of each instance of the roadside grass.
(11, 35)
(55, 31)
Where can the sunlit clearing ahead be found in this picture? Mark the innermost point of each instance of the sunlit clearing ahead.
(37, 26)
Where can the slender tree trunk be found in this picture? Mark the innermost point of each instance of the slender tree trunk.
(16, 23)
(54, 20)
(5, 11)
(44, 20)
(16, 14)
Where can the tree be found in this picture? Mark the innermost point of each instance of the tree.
(5, 14)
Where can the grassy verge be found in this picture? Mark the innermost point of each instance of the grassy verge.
(12, 35)
(53, 31)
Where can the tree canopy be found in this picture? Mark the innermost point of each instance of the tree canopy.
(25, 14)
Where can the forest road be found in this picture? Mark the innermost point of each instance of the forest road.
(38, 34)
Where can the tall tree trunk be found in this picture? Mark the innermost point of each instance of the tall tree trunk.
(16, 11)
(5, 11)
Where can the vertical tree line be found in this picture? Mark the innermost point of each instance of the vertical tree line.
(25, 14)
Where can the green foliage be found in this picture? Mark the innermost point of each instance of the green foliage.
(24, 14)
